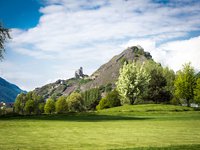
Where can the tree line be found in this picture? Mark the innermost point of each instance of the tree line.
(31, 103)
(149, 82)
(138, 83)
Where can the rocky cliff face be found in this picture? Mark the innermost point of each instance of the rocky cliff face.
(109, 72)
(106, 74)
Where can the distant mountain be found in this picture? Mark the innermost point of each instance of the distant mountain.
(106, 74)
(8, 91)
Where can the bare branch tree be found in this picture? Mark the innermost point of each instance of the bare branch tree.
(4, 36)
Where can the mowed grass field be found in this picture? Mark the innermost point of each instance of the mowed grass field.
(127, 127)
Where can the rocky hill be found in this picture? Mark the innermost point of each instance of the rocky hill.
(61, 87)
(8, 91)
(106, 74)
(109, 72)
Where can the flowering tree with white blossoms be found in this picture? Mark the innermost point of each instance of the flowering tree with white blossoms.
(132, 82)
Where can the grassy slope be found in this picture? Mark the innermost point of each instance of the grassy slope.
(147, 108)
(126, 127)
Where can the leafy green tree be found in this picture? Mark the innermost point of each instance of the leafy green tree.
(197, 75)
(169, 75)
(157, 89)
(38, 102)
(49, 106)
(29, 106)
(28, 103)
(111, 100)
(75, 102)
(156, 85)
(41, 108)
(20, 103)
(4, 35)
(61, 105)
(197, 92)
(160, 87)
(91, 98)
(132, 82)
(185, 83)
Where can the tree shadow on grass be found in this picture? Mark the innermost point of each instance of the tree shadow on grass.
(171, 147)
(76, 117)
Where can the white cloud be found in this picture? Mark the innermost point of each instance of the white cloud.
(66, 24)
(173, 54)
(77, 33)
(147, 44)
(17, 74)
(177, 53)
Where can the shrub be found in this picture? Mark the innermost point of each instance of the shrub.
(175, 101)
(61, 105)
(141, 101)
(102, 104)
(111, 100)
(108, 87)
(123, 60)
(84, 81)
(75, 102)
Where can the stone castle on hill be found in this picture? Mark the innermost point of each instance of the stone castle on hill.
(79, 73)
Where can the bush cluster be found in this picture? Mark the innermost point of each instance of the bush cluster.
(109, 101)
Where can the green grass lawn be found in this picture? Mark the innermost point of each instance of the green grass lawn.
(128, 127)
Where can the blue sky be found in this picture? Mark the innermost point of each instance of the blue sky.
(52, 38)
(22, 14)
